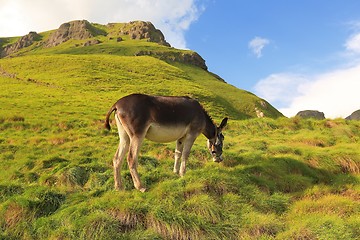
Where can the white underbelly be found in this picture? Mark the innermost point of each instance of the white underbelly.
(164, 134)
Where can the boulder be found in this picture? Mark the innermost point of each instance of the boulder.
(311, 114)
(354, 116)
(91, 42)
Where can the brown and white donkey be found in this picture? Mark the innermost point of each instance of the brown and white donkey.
(161, 119)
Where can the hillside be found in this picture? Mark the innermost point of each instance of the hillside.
(281, 178)
(131, 56)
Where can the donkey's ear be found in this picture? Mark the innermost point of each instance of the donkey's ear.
(223, 123)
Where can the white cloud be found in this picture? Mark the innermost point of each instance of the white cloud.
(257, 44)
(353, 44)
(172, 17)
(336, 93)
(280, 88)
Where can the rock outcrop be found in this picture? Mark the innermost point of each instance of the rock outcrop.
(143, 30)
(89, 33)
(23, 42)
(354, 116)
(192, 58)
(78, 30)
(311, 114)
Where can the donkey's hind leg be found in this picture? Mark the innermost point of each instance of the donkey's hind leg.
(120, 154)
(118, 162)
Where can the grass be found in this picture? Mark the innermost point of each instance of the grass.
(265, 188)
(281, 178)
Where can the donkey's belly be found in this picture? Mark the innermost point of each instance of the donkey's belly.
(164, 134)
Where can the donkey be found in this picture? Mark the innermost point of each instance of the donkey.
(161, 119)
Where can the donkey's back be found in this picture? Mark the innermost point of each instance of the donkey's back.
(171, 111)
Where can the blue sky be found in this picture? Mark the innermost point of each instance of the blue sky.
(300, 44)
(304, 35)
(296, 54)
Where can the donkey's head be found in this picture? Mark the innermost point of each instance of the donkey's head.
(215, 144)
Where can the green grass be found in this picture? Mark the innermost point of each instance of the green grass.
(284, 178)
(281, 178)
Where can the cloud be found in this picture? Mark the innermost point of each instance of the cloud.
(257, 44)
(172, 17)
(281, 88)
(334, 91)
(353, 43)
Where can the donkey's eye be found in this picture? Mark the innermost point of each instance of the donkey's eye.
(221, 137)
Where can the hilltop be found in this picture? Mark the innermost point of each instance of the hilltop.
(82, 29)
(134, 44)
(96, 34)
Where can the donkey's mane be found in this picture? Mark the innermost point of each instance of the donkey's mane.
(208, 117)
(207, 114)
(209, 124)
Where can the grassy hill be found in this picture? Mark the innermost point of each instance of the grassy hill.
(281, 178)
(112, 68)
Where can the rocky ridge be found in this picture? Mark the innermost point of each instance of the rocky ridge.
(143, 30)
(193, 58)
(23, 42)
(84, 30)
(77, 30)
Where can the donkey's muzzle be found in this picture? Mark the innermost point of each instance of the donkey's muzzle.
(217, 158)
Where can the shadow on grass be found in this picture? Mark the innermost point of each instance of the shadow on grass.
(285, 174)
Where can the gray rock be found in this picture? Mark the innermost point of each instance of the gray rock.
(91, 42)
(311, 114)
(23, 42)
(354, 116)
(78, 30)
(144, 30)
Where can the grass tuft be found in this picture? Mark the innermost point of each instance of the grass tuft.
(53, 161)
(75, 176)
(349, 164)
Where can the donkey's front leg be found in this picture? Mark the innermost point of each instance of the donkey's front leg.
(132, 160)
(188, 142)
(178, 152)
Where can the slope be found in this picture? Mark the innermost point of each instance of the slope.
(94, 57)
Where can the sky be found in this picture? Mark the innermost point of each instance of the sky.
(297, 55)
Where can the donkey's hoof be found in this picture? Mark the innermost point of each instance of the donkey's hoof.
(119, 188)
(142, 189)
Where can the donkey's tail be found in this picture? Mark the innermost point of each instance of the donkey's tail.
(107, 120)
